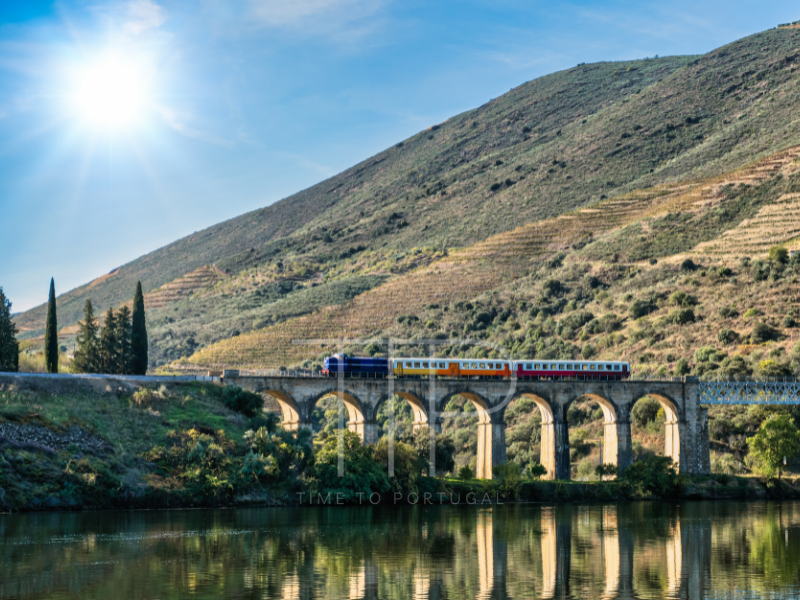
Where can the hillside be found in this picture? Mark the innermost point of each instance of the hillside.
(599, 149)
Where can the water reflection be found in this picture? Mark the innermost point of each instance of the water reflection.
(645, 550)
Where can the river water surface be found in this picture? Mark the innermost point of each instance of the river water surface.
(634, 550)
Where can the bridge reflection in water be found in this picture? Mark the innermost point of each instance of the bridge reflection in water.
(583, 552)
(637, 550)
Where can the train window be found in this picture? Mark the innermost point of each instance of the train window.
(442, 365)
(473, 365)
(482, 366)
(416, 365)
(424, 365)
(616, 367)
(560, 367)
(585, 367)
(592, 367)
(536, 366)
(545, 367)
(601, 367)
(528, 367)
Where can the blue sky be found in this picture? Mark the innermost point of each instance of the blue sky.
(235, 104)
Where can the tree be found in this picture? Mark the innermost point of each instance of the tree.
(779, 254)
(9, 347)
(444, 450)
(51, 332)
(123, 339)
(363, 475)
(87, 354)
(108, 343)
(242, 401)
(682, 367)
(776, 439)
(139, 334)
(536, 470)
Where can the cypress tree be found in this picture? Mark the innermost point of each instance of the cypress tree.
(123, 339)
(139, 334)
(51, 332)
(9, 347)
(108, 344)
(87, 354)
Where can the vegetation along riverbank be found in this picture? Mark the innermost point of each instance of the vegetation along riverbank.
(184, 445)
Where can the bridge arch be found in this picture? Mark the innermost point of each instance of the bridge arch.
(418, 408)
(291, 416)
(356, 422)
(616, 449)
(547, 439)
(491, 430)
(672, 425)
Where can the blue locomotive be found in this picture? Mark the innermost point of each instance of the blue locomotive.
(355, 366)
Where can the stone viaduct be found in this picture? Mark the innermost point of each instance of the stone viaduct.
(686, 420)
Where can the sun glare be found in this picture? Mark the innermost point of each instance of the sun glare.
(110, 93)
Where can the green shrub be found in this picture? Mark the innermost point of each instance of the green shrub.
(681, 298)
(779, 254)
(644, 411)
(587, 351)
(727, 336)
(203, 463)
(762, 333)
(408, 468)
(682, 367)
(242, 401)
(606, 471)
(682, 316)
(728, 312)
(608, 323)
(510, 476)
(466, 473)
(640, 308)
(724, 272)
(362, 473)
(536, 470)
(577, 319)
(586, 469)
(654, 476)
(143, 396)
(752, 312)
(688, 265)
(708, 354)
(789, 322)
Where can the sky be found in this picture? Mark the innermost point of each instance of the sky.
(126, 125)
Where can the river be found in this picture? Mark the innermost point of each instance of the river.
(641, 550)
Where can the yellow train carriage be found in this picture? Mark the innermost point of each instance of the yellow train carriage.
(455, 368)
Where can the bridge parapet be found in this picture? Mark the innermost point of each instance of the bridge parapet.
(750, 392)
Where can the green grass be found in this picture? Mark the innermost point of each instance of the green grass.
(36, 479)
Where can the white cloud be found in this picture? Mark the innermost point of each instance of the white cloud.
(143, 15)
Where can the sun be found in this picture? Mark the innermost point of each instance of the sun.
(111, 93)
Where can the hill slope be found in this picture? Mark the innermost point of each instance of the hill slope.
(554, 145)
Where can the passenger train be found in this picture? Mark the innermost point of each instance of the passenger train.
(473, 368)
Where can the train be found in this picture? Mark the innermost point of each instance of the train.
(473, 368)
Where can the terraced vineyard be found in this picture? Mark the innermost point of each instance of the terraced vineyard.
(507, 260)
(182, 287)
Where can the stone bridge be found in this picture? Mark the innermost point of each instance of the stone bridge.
(686, 421)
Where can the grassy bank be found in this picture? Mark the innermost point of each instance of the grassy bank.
(187, 445)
